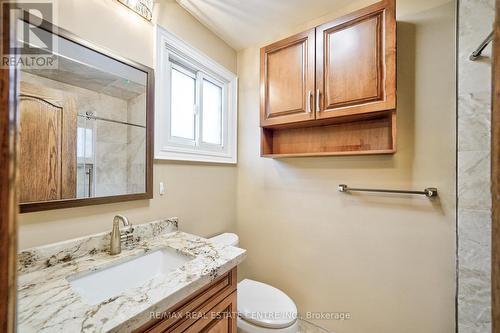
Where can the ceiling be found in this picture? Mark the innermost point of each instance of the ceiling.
(244, 23)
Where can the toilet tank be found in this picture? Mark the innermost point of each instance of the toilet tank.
(226, 239)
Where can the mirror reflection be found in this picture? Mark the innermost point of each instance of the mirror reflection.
(82, 127)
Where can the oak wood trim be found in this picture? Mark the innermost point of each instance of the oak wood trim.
(495, 175)
(8, 175)
(148, 194)
(211, 294)
(69, 147)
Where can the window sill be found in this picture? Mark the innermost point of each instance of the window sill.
(195, 157)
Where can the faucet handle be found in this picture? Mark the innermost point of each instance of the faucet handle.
(127, 236)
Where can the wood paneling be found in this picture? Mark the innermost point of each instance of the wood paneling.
(287, 80)
(39, 150)
(356, 62)
(495, 175)
(368, 136)
(8, 195)
(183, 316)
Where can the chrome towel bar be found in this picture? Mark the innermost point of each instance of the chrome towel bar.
(429, 192)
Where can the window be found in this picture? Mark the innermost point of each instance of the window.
(195, 114)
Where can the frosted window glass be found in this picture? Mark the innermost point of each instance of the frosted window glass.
(212, 113)
(182, 107)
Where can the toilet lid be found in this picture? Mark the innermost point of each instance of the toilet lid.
(264, 305)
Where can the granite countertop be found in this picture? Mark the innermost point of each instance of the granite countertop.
(47, 302)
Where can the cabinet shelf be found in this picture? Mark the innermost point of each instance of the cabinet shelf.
(369, 136)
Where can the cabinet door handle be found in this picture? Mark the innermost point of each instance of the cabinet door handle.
(317, 100)
(308, 102)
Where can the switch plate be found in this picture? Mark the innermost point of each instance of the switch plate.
(162, 188)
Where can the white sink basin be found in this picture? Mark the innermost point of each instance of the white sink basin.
(99, 286)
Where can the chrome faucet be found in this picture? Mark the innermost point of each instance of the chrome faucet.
(115, 246)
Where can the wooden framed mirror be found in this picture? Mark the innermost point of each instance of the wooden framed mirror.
(86, 126)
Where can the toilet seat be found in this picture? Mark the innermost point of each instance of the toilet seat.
(265, 306)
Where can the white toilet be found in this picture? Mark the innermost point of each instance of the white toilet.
(261, 307)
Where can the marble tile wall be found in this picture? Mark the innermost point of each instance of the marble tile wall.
(111, 157)
(475, 19)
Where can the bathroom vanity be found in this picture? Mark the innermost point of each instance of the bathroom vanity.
(167, 281)
(213, 309)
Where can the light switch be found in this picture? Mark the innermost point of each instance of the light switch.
(162, 188)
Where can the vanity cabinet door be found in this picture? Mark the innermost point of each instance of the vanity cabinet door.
(356, 62)
(287, 80)
(204, 311)
(221, 319)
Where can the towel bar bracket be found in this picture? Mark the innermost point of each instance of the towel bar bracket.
(477, 53)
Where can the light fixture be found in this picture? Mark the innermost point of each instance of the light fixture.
(141, 7)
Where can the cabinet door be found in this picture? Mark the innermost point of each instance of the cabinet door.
(287, 80)
(48, 144)
(356, 62)
(40, 150)
(221, 319)
(198, 310)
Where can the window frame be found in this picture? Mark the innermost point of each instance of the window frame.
(171, 139)
(172, 52)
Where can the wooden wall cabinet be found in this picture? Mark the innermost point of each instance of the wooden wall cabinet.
(211, 310)
(344, 103)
